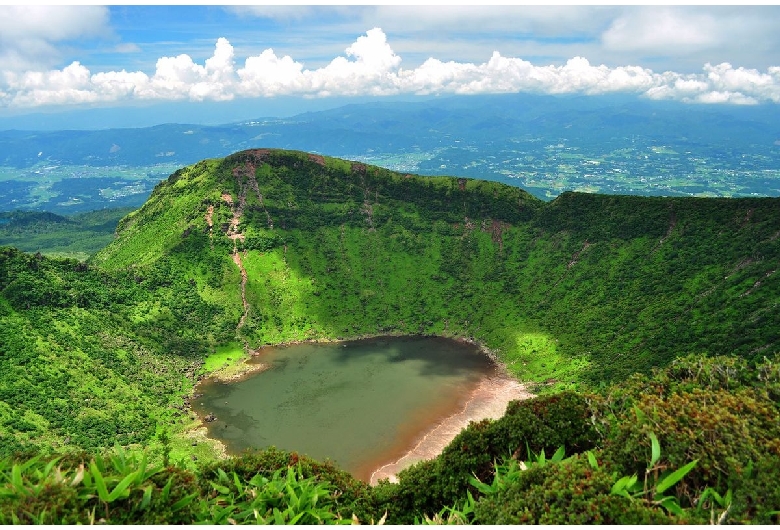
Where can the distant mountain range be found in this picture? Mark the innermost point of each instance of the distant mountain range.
(544, 144)
(373, 128)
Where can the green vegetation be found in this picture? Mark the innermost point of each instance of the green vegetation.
(265, 247)
(223, 356)
(586, 288)
(614, 464)
(78, 236)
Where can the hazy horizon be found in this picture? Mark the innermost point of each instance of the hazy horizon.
(135, 66)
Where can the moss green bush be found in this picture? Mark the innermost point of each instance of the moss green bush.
(717, 411)
(571, 492)
(539, 424)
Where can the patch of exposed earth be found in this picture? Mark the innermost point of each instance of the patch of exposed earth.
(488, 400)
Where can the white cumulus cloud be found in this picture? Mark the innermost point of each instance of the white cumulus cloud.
(29, 33)
(662, 30)
(270, 75)
(373, 70)
(369, 66)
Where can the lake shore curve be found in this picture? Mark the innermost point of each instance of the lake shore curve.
(487, 401)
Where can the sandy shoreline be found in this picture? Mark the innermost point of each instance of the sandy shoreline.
(488, 400)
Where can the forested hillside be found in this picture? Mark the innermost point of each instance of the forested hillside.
(268, 246)
(78, 236)
(585, 288)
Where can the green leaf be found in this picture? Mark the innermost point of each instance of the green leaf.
(122, 489)
(16, 478)
(675, 477)
(50, 466)
(559, 454)
(221, 513)
(141, 475)
(592, 460)
(622, 485)
(31, 462)
(119, 463)
(670, 503)
(100, 483)
(481, 486)
(166, 491)
(147, 497)
(222, 476)
(237, 482)
(294, 501)
(714, 494)
(224, 490)
(86, 476)
(101, 465)
(183, 502)
(655, 450)
(706, 494)
(723, 501)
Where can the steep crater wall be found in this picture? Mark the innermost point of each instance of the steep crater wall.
(584, 288)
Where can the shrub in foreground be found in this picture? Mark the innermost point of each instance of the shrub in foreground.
(571, 492)
(350, 496)
(538, 424)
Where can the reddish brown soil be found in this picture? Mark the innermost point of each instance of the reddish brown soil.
(488, 400)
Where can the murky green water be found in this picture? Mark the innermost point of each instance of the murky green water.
(359, 403)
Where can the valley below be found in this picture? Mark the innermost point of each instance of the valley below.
(545, 144)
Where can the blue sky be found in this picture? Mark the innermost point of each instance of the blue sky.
(212, 57)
